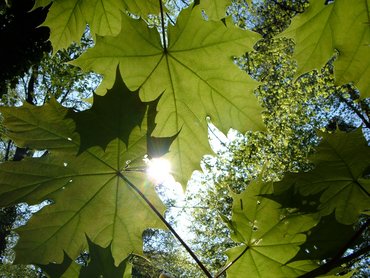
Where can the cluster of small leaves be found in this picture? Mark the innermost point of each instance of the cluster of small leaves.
(268, 17)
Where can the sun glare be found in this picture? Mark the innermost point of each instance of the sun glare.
(159, 170)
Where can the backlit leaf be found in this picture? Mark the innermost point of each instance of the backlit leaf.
(195, 73)
(269, 237)
(340, 162)
(342, 26)
(90, 192)
(67, 19)
(215, 10)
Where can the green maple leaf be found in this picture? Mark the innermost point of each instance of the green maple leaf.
(342, 26)
(102, 264)
(340, 163)
(67, 19)
(93, 193)
(269, 238)
(143, 7)
(195, 74)
(325, 239)
(56, 270)
(215, 10)
(72, 271)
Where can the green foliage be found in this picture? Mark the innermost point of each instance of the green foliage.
(93, 170)
(67, 19)
(215, 10)
(339, 177)
(57, 270)
(321, 31)
(25, 40)
(270, 237)
(96, 182)
(101, 264)
(195, 73)
(321, 242)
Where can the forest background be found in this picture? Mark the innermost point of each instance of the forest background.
(280, 99)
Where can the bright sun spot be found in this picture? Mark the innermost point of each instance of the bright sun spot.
(159, 170)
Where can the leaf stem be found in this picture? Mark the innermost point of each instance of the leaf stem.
(191, 253)
(226, 267)
(163, 29)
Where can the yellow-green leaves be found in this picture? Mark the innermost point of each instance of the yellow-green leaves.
(269, 237)
(92, 192)
(342, 26)
(195, 74)
(67, 19)
(215, 10)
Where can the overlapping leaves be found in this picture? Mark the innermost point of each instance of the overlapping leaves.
(339, 178)
(195, 73)
(270, 238)
(101, 264)
(342, 26)
(92, 192)
(67, 19)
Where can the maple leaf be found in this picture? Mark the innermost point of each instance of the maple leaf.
(101, 264)
(269, 237)
(94, 193)
(340, 163)
(195, 74)
(215, 10)
(340, 26)
(67, 19)
(325, 239)
(56, 270)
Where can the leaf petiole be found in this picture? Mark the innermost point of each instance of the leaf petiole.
(168, 225)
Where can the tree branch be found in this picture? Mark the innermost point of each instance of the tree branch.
(354, 109)
(31, 87)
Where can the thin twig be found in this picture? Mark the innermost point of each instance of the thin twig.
(170, 19)
(163, 29)
(218, 138)
(354, 109)
(191, 253)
